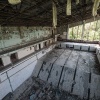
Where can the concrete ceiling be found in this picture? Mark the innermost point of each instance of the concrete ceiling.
(39, 12)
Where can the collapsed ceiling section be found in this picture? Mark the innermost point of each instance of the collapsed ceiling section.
(46, 12)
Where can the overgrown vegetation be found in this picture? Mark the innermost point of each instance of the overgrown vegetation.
(91, 32)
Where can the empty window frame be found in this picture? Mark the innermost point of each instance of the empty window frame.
(13, 57)
(90, 32)
(1, 63)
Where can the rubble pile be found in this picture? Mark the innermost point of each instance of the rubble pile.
(44, 91)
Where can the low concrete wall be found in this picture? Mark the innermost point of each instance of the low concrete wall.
(78, 46)
(81, 46)
(23, 52)
(13, 77)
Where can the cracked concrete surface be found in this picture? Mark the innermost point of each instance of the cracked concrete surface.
(74, 75)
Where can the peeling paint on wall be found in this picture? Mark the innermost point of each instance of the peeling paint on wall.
(10, 36)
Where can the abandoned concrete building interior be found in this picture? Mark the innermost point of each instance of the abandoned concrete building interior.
(49, 49)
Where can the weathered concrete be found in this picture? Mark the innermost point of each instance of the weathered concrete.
(6, 60)
(12, 36)
(75, 72)
(69, 71)
(72, 72)
(36, 89)
(16, 74)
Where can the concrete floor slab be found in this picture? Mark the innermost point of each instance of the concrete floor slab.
(76, 72)
(95, 87)
(55, 75)
(81, 83)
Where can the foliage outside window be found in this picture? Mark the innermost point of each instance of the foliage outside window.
(91, 32)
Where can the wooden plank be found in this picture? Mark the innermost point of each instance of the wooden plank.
(68, 72)
(95, 87)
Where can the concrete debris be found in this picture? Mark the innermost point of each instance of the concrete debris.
(63, 75)
(45, 91)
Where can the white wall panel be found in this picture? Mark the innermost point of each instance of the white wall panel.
(19, 72)
(21, 66)
(18, 78)
(3, 77)
(4, 89)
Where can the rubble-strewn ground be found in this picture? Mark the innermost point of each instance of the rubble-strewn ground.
(63, 75)
(41, 90)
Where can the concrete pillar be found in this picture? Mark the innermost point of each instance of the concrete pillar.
(67, 32)
(51, 41)
(83, 28)
(48, 43)
(42, 45)
(37, 47)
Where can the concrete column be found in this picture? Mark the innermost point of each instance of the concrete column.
(67, 32)
(83, 28)
(42, 45)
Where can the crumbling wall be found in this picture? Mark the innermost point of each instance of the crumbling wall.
(10, 36)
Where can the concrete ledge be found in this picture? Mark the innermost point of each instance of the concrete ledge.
(77, 47)
(81, 46)
(93, 49)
